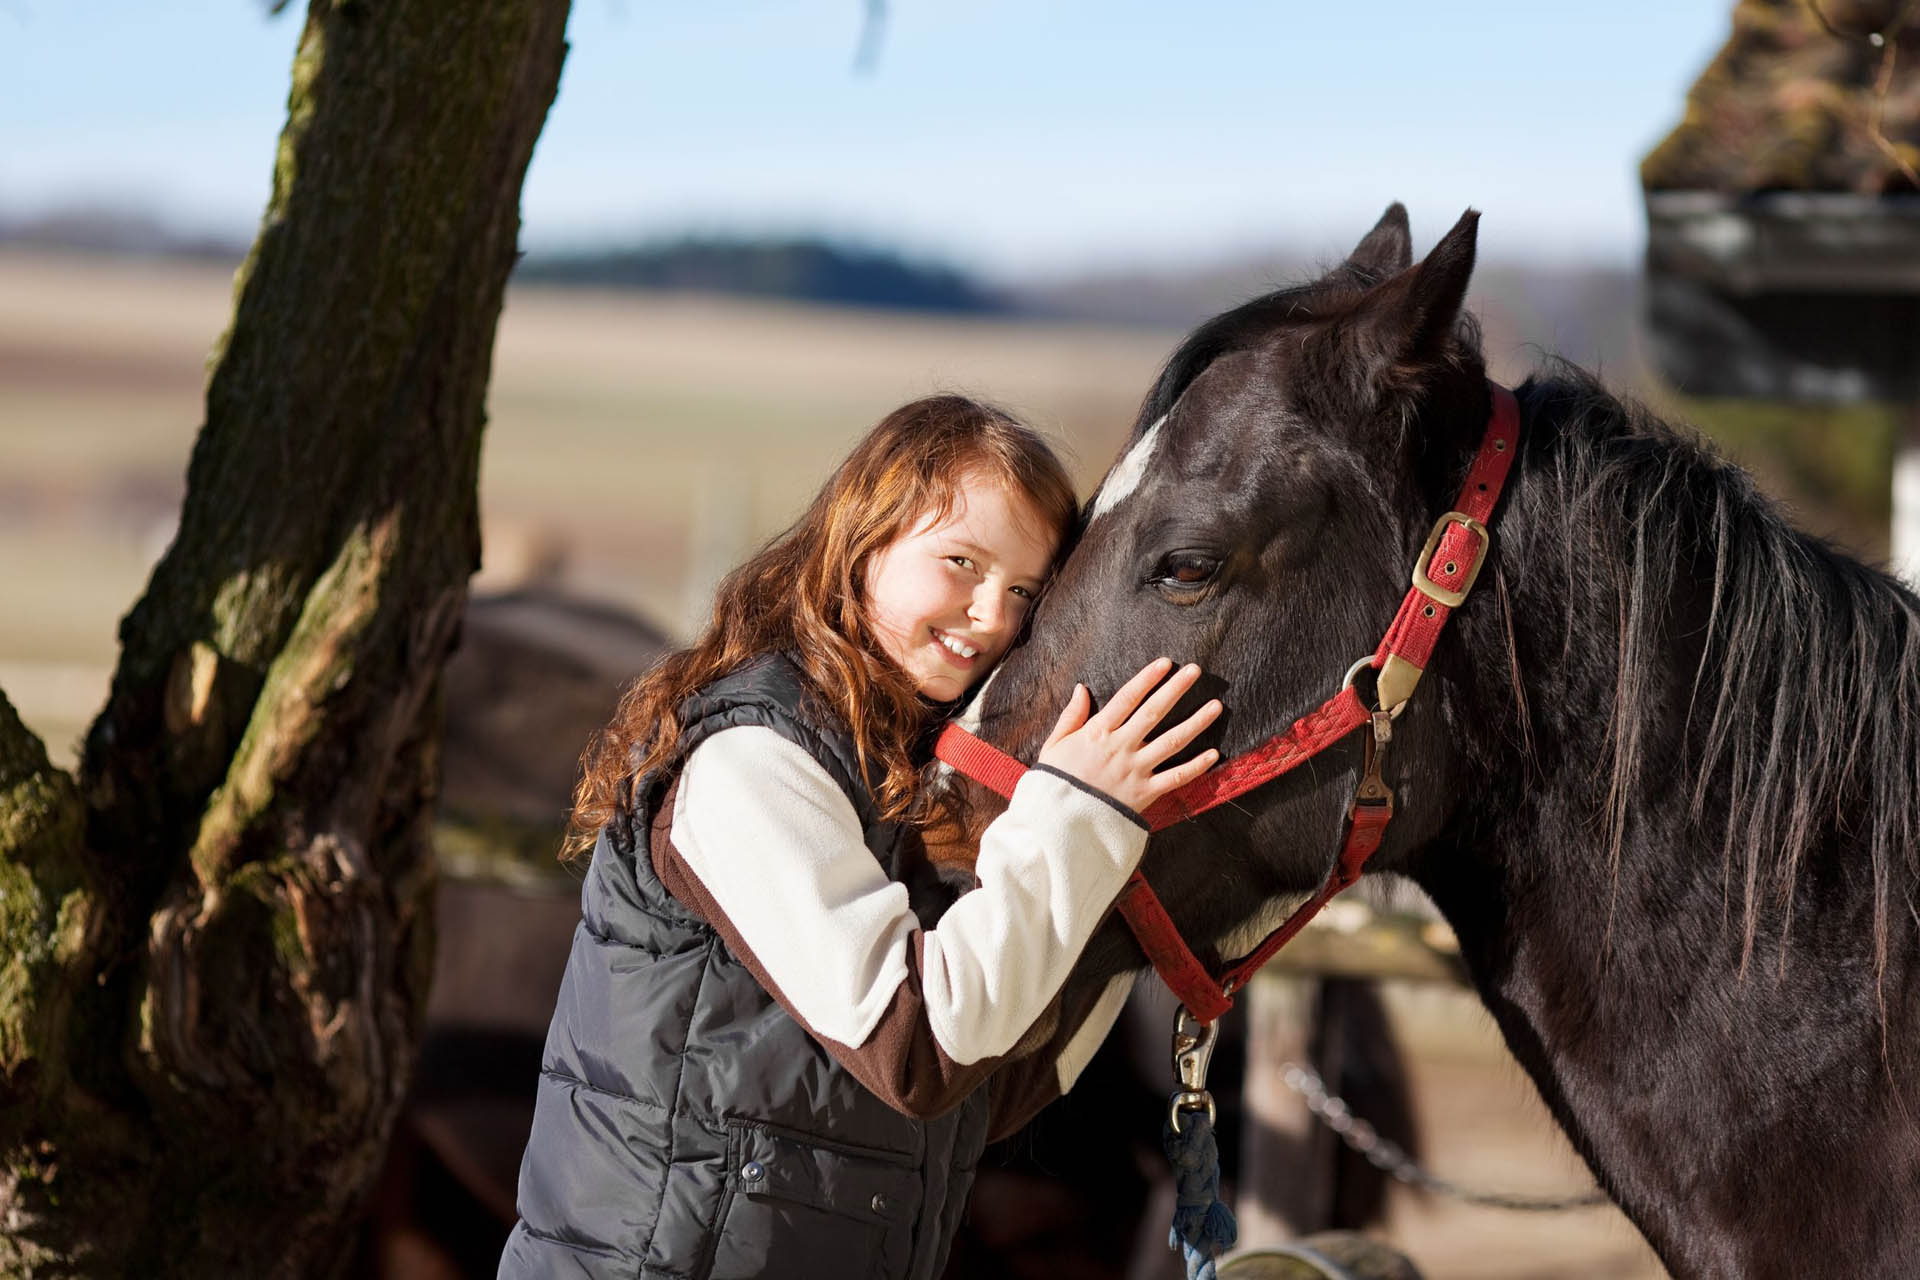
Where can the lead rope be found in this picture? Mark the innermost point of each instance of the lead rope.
(1203, 1225)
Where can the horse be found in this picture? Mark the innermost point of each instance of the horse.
(1660, 776)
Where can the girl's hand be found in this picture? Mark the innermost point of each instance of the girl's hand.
(1109, 750)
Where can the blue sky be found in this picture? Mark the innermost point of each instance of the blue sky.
(1022, 139)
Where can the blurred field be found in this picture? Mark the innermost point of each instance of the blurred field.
(639, 445)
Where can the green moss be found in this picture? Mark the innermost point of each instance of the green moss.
(286, 937)
(1785, 105)
(39, 816)
(250, 608)
(26, 933)
(43, 912)
(42, 906)
(319, 657)
(264, 883)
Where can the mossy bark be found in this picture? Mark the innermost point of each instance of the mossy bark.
(1793, 102)
(219, 931)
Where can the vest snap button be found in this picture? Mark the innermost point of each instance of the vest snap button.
(753, 1171)
(879, 1204)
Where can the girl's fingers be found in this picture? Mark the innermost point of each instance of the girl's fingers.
(1181, 774)
(1174, 740)
(1156, 707)
(1072, 716)
(1127, 697)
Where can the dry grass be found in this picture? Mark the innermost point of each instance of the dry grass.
(637, 445)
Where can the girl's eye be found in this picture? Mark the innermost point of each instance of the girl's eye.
(965, 562)
(1022, 592)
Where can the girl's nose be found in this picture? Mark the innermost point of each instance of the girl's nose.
(988, 611)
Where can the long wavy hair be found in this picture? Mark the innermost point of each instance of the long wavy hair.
(805, 593)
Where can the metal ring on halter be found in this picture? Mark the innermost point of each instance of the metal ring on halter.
(1346, 682)
(1189, 1100)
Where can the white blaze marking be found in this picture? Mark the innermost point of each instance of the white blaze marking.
(1127, 473)
(970, 718)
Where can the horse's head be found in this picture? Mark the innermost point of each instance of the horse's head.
(1284, 471)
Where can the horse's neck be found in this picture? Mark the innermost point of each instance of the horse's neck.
(1710, 1075)
(1711, 1102)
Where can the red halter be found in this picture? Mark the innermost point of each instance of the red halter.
(1442, 577)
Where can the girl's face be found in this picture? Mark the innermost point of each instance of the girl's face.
(947, 597)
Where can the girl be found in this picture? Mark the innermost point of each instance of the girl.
(769, 1047)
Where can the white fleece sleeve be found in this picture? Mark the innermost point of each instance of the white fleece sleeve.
(769, 834)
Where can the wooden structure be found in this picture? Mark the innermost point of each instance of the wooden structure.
(1783, 221)
(1811, 296)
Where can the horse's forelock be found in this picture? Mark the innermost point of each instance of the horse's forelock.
(1250, 325)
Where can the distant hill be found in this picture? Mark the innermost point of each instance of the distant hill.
(803, 269)
(114, 231)
(1587, 313)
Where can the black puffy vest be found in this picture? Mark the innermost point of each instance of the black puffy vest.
(686, 1126)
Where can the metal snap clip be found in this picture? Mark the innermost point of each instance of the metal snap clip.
(1193, 1042)
(880, 1204)
(753, 1171)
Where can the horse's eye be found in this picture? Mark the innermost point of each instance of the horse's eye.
(1188, 569)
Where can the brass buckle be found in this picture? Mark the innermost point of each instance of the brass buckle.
(1427, 586)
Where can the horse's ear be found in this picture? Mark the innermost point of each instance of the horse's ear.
(1411, 317)
(1385, 251)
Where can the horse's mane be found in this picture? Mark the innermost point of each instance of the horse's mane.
(1244, 326)
(1804, 710)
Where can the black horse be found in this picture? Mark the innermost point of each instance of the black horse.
(1660, 777)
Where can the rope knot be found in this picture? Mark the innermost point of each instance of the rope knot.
(1203, 1226)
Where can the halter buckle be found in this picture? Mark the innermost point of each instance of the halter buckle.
(1425, 585)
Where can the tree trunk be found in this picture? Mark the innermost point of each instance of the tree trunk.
(219, 933)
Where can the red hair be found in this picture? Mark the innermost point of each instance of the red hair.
(805, 593)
